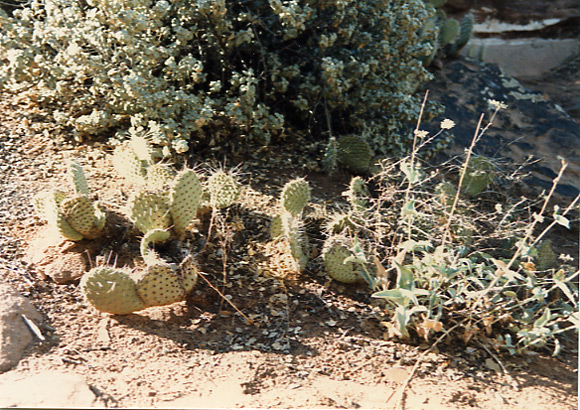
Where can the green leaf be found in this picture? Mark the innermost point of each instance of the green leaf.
(543, 320)
(561, 220)
(409, 209)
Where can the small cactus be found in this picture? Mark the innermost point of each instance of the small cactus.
(334, 254)
(354, 153)
(185, 200)
(157, 209)
(295, 196)
(223, 189)
(111, 290)
(121, 292)
(149, 211)
(74, 217)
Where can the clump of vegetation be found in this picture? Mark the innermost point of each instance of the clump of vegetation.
(443, 268)
(75, 216)
(222, 72)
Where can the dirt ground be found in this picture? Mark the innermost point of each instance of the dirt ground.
(312, 343)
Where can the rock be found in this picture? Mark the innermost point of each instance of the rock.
(524, 11)
(48, 389)
(63, 262)
(15, 335)
(536, 56)
(530, 127)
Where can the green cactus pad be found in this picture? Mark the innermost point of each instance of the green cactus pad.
(546, 257)
(129, 166)
(141, 147)
(159, 176)
(56, 219)
(280, 225)
(334, 253)
(79, 212)
(78, 178)
(299, 247)
(358, 194)
(465, 31)
(188, 273)
(159, 285)
(354, 153)
(448, 31)
(295, 196)
(223, 189)
(149, 211)
(185, 200)
(111, 290)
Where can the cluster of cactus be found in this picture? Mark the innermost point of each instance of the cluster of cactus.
(74, 216)
(120, 291)
(287, 225)
(446, 35)
(340, 230)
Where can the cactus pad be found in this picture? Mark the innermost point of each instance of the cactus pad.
(159, 176)
(295, 196)
(185, 200)
(158, 285)
(478, 175)
(188, 273)
(80, 214)
(129, 166)
(149, 210)
(111, 291)
(334, 254)
(78, 178)
(354, 153)
(223, 189)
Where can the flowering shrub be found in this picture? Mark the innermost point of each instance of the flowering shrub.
(208, 72)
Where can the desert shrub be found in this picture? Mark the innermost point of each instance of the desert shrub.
(445, 265)
(216, 72)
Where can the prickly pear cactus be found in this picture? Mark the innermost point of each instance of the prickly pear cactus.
(546, 258)
(154, 236)
(186, 195)
(338, 223)
(358, 195)
(120, 292)
(295, 196)
(334, 254)
(77, 177)
(223, 189)
(74, 217)
(129, 166)
(446, 36)
(149, 211)
(111, 290)
(159, 285)
(159, 176)
(355, 153)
